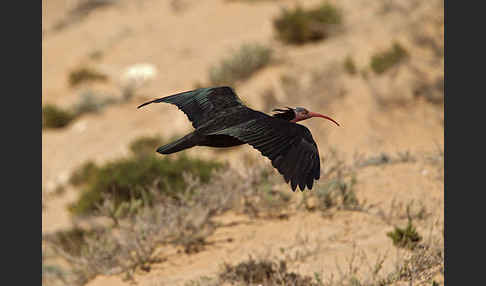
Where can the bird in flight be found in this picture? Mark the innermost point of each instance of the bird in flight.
(220, 119)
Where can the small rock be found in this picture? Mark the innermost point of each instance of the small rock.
(138, 74)
(80, 126)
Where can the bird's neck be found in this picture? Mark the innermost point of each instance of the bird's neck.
(288, 115)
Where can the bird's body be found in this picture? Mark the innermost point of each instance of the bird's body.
(220, 119)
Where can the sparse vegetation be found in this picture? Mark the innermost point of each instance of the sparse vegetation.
(146, 145)
(384, 158)
(337, 193)
(89, 102)
(71, 241)
(84, 173)
(265, 201)
(405, 237)
(124, 179)
(382, 61)
(252, 1)
(55, 117)
(432, 92)
(85, 74)
(52, 274)
(263, 272)
(399, 211)
(140, 217)
(419, 265)
(424, 262)
(240, 65)
(80, 11)
(299, 26)
(183, 219)
(349, 66)
(92, 102)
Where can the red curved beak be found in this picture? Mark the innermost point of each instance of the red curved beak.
(315, 114)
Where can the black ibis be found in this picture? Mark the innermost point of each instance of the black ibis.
(220, 119)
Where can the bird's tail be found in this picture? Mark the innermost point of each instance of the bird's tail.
(185, 142)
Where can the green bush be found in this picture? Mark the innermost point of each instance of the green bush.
(84, 173)
(55, 117)
(382, 61)
(300, 26)
(241, 65)
(125, 178)
(405, 238)
(79, 75)
(146, 145)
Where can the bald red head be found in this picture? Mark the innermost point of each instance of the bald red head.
(303, 114)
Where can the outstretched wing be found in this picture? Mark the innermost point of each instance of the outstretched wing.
(289, 146)
(201, 104)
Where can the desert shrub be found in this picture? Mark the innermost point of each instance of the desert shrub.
(86, 6)
(251, 1)
(382, 61)
(299, 26)
(146, 145)
(84, 74)
(265, 200)
(405, 237)
(349, 66)
(184, 220)
(432, 92)
(263, 272)
(384, 158)
(424, 262)
(55, 117)
(84, 173)
(71, 241)
(337, 193)
(80, 11)
(91, 102)
(240, 65)
(125, 178)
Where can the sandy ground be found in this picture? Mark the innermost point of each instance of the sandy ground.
(183, 39)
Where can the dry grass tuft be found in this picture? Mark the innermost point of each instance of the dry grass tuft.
(350, 66)
(55, 117)
(382, 61)
(80, 10)
(263, 272)
(85, 74)
(405, 237)
(240, 65)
